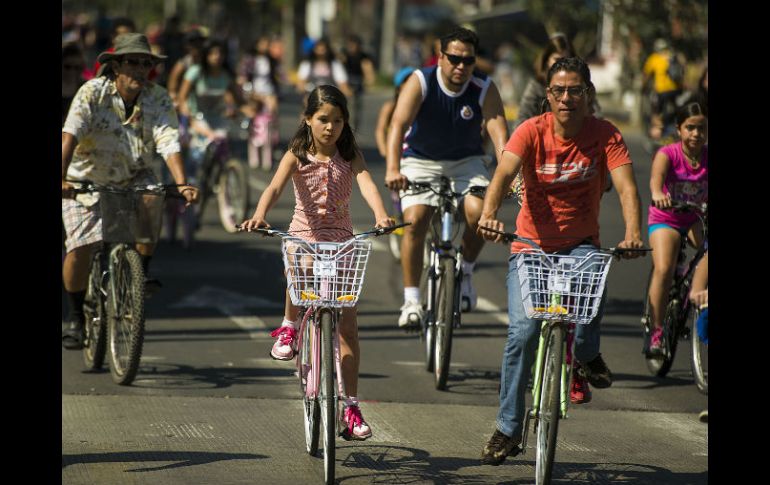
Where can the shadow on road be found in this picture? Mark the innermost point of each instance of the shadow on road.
(180, 376)
(180, 458)
(398, 464)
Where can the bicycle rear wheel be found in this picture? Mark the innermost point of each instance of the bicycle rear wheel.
(444, 321)
(233, 195)
(328, 399)
(95, 344)
(700, 355)
(308, 375)
(126, 315)
(548, 413)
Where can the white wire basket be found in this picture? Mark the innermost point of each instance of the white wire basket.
(562, 287)
(329, 274)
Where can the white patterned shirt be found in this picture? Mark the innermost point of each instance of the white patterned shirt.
(111, 149)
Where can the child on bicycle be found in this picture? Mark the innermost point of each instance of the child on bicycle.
(679, 173)
(322, 160)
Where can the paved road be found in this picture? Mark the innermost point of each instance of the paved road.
(210, 406)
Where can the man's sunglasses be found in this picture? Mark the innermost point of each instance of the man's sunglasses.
(455, 60)
(146, 63)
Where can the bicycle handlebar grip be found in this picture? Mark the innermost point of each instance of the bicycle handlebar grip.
(384, 230)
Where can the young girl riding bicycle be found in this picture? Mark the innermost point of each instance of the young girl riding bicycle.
(322, 160)
(679, 173)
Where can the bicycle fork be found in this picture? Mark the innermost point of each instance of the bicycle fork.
(565, 377)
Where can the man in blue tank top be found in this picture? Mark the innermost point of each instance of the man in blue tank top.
(445, 108)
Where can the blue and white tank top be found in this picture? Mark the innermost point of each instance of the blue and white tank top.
(448, 124)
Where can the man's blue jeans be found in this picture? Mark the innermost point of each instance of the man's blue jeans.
(521, 347)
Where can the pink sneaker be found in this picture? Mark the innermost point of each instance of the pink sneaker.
(355, 426)
(283, 348)
(656, 341)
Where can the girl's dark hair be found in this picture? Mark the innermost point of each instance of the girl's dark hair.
(688, 110)
(328, 57)
(302, 142)
(571, 64)
(557, 44)
(208, 46)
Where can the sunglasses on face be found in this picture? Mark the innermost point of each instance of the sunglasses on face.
(455, 60)
(572, 91)
(133, 62)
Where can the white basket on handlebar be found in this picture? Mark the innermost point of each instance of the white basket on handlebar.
(562, 287)
(327, 274)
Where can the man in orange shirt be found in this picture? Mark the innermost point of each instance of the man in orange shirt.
(565, 157)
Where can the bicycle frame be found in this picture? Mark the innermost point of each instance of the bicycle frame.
(311, 316)
(567, 366)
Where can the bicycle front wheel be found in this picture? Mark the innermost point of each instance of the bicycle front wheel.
(427, 290)
(328, 400)
(444, 321)
(657, 365)
(661, 365)
(700, 355)
(548, 412)
(308, 377)
(233, 195)
(95, 344)
(126, 315)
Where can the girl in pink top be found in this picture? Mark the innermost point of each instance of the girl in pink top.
(322, 160)
(679, 173)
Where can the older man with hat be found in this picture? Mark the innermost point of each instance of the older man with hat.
(116, 122)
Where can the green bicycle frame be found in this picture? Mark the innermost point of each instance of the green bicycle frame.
(566, 371)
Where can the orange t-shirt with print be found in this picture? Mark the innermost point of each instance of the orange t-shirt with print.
(564, 180)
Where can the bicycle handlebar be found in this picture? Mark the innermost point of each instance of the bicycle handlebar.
(89, 187)
(686, 206)
(510, 237)
(419, 187)
(379, 231)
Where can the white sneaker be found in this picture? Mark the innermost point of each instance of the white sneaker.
(411, 314)
(468, 297)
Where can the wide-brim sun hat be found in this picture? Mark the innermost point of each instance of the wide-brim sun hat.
(131, 43)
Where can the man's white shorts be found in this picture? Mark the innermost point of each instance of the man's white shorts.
(462, 174)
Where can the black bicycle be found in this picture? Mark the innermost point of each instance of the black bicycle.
(679, 308)
(114, 301)
(442, 276)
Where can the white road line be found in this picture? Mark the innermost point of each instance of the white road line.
(486, 306)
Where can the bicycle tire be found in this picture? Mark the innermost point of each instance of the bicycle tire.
(189, 226)
(126, 316)
(95, 343)
(394, 244)
(700, 356)
(670, 336)
(233, 194)
(548, 413)
(445, 304)
(305, 370)
(328, 400)
(428, 327)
